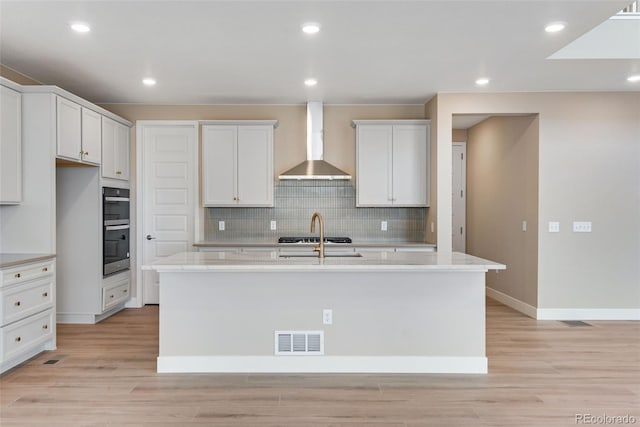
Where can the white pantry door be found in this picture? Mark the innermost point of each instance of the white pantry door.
(168, 182)
(459, 196)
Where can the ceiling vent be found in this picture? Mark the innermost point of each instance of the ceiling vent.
(299, 343)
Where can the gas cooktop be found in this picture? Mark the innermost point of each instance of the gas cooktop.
(314, 239)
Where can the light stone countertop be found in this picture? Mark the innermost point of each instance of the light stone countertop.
(13, 259)
(270, 261)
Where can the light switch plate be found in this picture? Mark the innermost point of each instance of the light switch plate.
(383, 226)
(273, 225)
(220, 225)
(554, 227)
(582, 226)
(524, 225)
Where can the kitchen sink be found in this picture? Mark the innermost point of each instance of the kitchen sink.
(315, 255)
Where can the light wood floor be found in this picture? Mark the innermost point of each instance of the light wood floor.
(541, 373)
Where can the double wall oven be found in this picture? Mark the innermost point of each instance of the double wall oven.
(115, 230)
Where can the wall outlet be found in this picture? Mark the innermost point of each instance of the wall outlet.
(327, 316)
(383, 226)
(433, 227)
(273, 225)
(554, 227)
(220, 225)
(582, 226)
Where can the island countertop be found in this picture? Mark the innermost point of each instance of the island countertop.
(281, 262)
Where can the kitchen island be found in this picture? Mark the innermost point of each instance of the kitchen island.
(395, 312)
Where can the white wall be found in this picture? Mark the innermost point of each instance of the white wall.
(589, 170)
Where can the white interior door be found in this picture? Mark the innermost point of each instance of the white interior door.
(168, 184)
(459, 196)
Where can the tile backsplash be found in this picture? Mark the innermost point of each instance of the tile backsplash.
(296, 201)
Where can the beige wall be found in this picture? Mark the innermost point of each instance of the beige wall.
(459, 135)
(290, 136)
(431, 112)
(17, 77)
(502, 192)
(589, 170)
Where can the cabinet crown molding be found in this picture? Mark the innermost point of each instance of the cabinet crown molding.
(355, 123)
(273, 123)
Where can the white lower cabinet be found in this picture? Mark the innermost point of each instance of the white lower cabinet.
(115, 294)
(27, 311)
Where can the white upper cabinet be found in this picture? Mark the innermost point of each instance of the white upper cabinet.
(78, 132)
(237, 164)
(10, 146)
(115, 150)
(69, 129)
(91, 136)
(392, 163)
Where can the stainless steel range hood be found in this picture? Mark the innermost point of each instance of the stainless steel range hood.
(314, 167)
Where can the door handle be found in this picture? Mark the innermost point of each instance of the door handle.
(149, 237)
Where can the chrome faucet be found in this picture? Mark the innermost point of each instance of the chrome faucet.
(320, 247)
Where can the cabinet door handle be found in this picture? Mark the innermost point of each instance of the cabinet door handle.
(86, 153)
(118, 173)
(17, 303)
(17, 275)
(45, 294)
(111, 296)
(18, 339)
(45, 269)
(45, 326)
(125, 291)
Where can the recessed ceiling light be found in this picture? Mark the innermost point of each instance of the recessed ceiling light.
(311, 82)
(80, 27)
(634, 79)
(554, 27)
(310, 28)
(148, 81)
(482, 81)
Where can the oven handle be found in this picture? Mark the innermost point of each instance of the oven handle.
(116, 227)
(116, 199)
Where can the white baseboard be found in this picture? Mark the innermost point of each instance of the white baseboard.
(323, 364)
(86, 318)
(514, 303)
(564, 313)
(134, 303)
(588, 314)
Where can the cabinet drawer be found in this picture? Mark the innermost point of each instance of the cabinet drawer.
(23, 300)
(26, 334)
(26, 272)
(115, 295)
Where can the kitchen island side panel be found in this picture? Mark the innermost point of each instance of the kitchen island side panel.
(379, 314)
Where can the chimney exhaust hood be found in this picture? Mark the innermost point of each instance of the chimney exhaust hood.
(314, 167)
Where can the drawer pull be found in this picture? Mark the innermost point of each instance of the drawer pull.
(45, 269)
(18, 339)
(17, 275)
(118, 173)
(45, 326)
(17, 303)
(125, 291)
(111, 296)
(45, 294)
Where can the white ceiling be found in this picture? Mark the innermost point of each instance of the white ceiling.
(214, 52)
